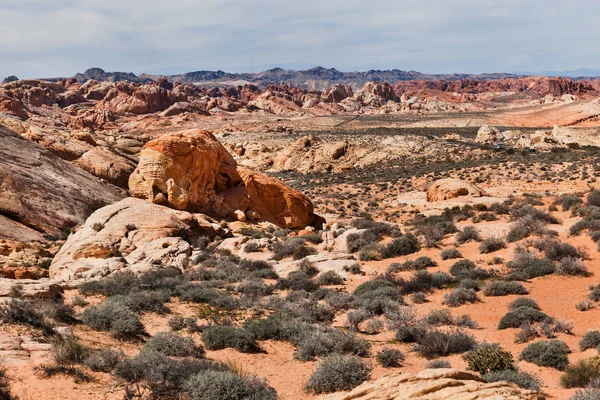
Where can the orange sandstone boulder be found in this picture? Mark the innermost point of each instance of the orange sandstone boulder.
(450, 188)
(192, 171)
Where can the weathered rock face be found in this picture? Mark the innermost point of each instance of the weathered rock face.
(336, 94)
(43, 192)
(193, 171)
(450, 188)
(376, 94)
(435, 384)
(488, 134)
(107, 165)
(130, 234)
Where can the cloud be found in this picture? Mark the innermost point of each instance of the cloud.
(41, 38)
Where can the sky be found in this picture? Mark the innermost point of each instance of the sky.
(51, 38)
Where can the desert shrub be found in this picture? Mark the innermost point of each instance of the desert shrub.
(303, 251)
(548, 353)
(23, 312)
(436, 343)
(526, 333)
(252, 247)
(336, 373)
(567, 201)
(521, 316)
(354, 318)
(593, 198)
(79, 301)
(485, 216)
(370, 252)
(222, 337)
(423, 281)
(528, 211)
(173, 345)
(435, 364)
(520, 378)
(491, 245)
(523, 302)
(422, 262)
(584, 305)
(589, 393)
(518, 231)
(254, 233)
(313, 238)
(572, 266)
(467, 234)
(313, 343)
(556, 250)
(226, 385)
(144, 301)
(526, 265)
(595, 293)
(329, 278)
(450, 254)
(590, 340)
(295, 281)
(409, 331)
(503, 288)
(67, 350)
(154, 375)
(390, 358)
(104, 360)
(460, 296)
(115, 318)
(339, 300)
(419, 298)
(486, 359)
(582, 373)
(466, 269)
(5, 386)
(375, 285)
(121, 282)
(402, 246)
(468, 283)
(287, 248)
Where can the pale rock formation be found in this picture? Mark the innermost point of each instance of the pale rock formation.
(450, 188)
(435, 384)
(107, 165)
(376, 94)
(131, 234)
(488, 134)
(336, 93)
(193, 171)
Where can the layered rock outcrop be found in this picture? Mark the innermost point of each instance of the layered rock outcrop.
(40, 191)
(192, 171)
(435, 384)
(131, 234)
(450, 188)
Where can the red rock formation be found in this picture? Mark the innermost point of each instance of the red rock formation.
(192, 171)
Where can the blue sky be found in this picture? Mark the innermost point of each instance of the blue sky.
(46, 38)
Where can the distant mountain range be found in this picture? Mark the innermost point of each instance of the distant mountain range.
(575, 73)
(317, 78)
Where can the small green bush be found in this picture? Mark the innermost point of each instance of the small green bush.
(582, 373)
(436, 343)
(486, 359)
(173, 345)
(590, 340)
(104, 360)
(549, 353)
(523, 302)
(336, 373)
(522, 315)
(572, 267)
(390, 358)
(503, 288)
(438, 364)
(491, 245)
(222, 337)
(469, 233)
(460, 296)
(115, 318)
(450, 254)
(520, 378)
(225, 385)
(329, 278)
(402, 246)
